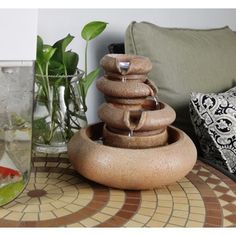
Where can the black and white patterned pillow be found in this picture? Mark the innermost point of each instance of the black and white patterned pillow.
(214, 120)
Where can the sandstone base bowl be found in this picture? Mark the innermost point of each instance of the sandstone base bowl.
(131, 168)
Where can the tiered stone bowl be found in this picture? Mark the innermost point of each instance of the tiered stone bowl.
(135, 147)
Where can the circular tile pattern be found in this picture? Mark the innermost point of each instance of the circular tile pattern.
(56, 195)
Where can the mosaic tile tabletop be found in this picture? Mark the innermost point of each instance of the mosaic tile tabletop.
(57, 196)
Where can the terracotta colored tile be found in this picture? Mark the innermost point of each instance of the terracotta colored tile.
(213, 212)
(231, 207)
(135, 201)
(125, 214)
(127, 207)
(203, 173)
(231, 218)
(214, 221)
(227, 223)
(210, 199)
(221, 189)
(227, 198)
(213, 181)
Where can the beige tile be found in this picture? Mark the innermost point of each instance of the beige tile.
(66, 177)
(187, 185)
(3, 212)
(64, 165)
(161, 217)
(178, 194)
(115, 204)
(199, 210)
(175, 188)
(46, 215)
(227, 223)
(57, 191)
(146, 211)
(14, 216)
(63, 184)
(51, 164)
(39, 164)
(182, 200)
(82, 186)
(196, 203)
(177, 221)
(172, 226)
(54, 175)
(75, 225)
(53, 181)
(42, 174)
(89, 222)
(116, 192)
(73, 207)
(41, 180)
(81, 202)
(164, 210)
(132, 223)
(32, 208)
(226, 212)
(101, 217)
(109, 210)
(194, 224)
(148, 204)
(59, 204)
(23, 199)
(30, 217)
(154, 223)
(141, 218)
(45, 200)
(191, 190)
(117, 198)
(70, 188)
(50, 187)
(30, 186)
(179, 206)
(34, 201)
(181, 214)
(197, 217)
(164, 197)
(222, 202)
(67, 199)
(16, 207)
(61, 212)
(54, 196)
(88, 191)
(85, 195)
(39, 185)
(194, 196)
(183, 180)
(165, 203)
(46, 207)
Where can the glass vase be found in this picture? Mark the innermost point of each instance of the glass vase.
(58, 112)
(16, 106)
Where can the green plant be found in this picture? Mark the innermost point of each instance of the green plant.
(55, 67)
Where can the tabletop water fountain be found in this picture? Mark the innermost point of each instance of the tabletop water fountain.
(135, 147)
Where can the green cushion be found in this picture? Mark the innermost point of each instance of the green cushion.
(185, 60)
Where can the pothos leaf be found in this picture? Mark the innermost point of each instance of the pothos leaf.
(71, 61)
(87, 81)
(93, 29)
(61, 48)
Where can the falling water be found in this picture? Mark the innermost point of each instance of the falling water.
(131, 133)
(123, 79)
(156, 99)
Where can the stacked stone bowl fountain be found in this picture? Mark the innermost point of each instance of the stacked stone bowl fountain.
(135, 147)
